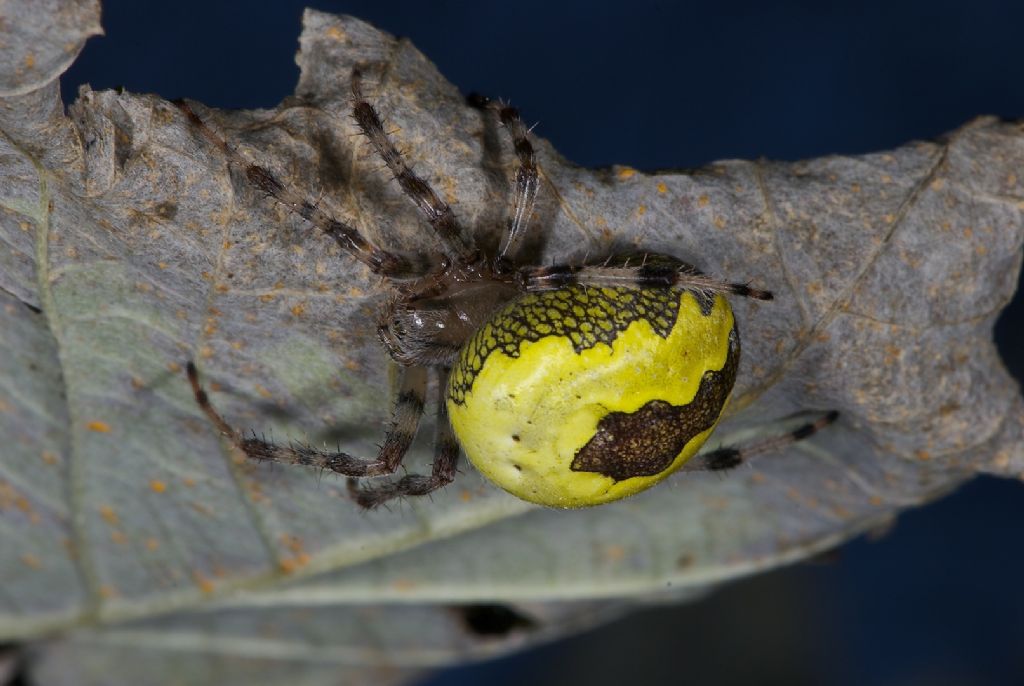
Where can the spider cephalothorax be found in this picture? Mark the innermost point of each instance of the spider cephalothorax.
(567, 385)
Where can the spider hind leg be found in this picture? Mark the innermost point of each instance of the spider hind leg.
(442, 471)
(731, 457)
(407, 412)
(647, 271)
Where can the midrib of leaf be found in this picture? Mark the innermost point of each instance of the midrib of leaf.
(200, 642)
(621, 586)
(82, 553)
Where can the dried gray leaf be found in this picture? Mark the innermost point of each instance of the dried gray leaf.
(39, 39)
(142, 250)
(308, 646)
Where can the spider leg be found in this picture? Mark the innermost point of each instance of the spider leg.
(399, 265)
(435, 210)
(526, 178)
(657, 274)
(407, 412)
(731, 457)
(442, 472)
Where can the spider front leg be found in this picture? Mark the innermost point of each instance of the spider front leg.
(387, 263)
(442, 471)
(526, 177)
(436, 211)
(730, 457)
(407, 412)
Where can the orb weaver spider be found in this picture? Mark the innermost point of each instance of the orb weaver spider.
(566, 385)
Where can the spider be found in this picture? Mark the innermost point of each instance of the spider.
(567, 385)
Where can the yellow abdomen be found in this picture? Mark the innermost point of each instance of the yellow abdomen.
(584, 395)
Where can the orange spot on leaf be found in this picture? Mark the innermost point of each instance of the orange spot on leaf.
(204, 584)
(109, 516)
(289, 565)
(292, 542)
(613, 553)
(30, 560)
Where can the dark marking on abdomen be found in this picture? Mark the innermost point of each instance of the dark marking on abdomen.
(647, 441)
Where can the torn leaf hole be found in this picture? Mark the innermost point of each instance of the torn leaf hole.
(492, 619)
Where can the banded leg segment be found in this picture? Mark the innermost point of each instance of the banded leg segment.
(435, 210)
(407, 412)
(655, 274)
(398, 265)
(731, 457)
(442, 471)
(525, 194)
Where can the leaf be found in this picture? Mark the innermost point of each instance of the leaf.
(41, 38)
(142, 249)
(306, 646)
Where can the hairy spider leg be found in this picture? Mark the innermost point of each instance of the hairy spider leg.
(435, 210)
(656, 274)
(397, 265)
(731, 457)
(405, 421)
(525, 195)
(442, 471)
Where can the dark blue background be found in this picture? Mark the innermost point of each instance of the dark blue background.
(660, 84)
